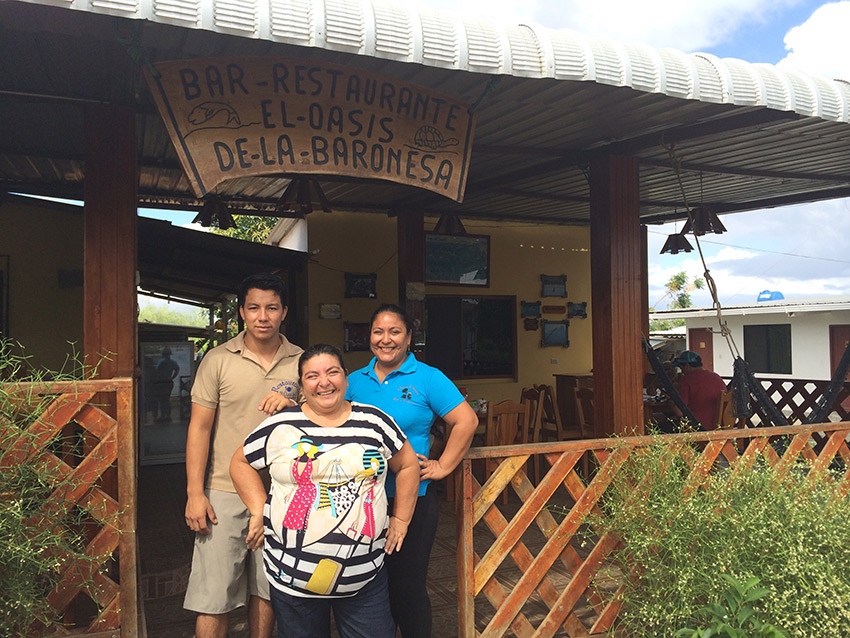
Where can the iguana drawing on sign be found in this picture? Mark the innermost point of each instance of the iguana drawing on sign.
(210, 115)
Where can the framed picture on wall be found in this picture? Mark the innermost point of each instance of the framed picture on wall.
(457, 260)
(553, 285)
(330, 311)
(356, 337)
(360, 285)
(555, 333)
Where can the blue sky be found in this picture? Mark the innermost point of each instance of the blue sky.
(802, 250)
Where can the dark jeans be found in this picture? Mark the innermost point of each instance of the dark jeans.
(364, 615)
(408, 569)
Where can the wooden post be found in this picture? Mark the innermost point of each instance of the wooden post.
(615, 258)
(109, 324)
(465, 552)
(110, 240)
(411, 273)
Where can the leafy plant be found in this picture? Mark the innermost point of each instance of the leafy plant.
(734, 617)
(788, 529)
(37, 545)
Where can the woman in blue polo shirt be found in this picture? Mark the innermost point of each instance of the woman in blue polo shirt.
(414, 394)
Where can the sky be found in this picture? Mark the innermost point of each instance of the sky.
(800, 251)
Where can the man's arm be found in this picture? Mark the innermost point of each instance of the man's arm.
(250, 488)
(198, 508)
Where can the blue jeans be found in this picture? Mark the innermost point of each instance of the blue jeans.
(364, 615)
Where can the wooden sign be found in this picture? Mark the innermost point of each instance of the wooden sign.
(554, 310)
(238, 117)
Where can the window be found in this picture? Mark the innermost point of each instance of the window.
(471, 337)
(767, 348)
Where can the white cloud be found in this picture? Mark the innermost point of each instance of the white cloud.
(688, 25)
(821, 44)
(730, 254)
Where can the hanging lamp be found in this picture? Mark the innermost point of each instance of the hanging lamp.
(705, 220)
(677, 243)
(300, 197)
(214, 212)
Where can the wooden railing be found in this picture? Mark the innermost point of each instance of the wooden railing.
(521, 572)
(98, 471)
(796, 399)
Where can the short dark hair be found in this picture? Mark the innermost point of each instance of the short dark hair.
(396, 310)
(261, 281)
(317, 349)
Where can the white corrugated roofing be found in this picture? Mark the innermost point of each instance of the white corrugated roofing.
(778, 306)
(394, 32)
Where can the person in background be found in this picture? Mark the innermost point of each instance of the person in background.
(699, 388)
(165, 372)
(237, 385)
(414, 394)
(325, 518)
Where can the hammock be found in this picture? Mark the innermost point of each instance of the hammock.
(669, 388)
(749, 395)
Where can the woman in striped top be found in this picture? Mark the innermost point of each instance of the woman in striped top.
(325, 520)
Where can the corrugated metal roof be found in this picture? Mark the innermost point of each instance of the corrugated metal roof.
(749, 136)
(435, 38)
(779, 306)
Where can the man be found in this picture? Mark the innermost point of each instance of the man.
(237, 385)
(699, 388)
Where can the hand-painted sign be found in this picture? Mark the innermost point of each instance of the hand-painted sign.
(233, 118)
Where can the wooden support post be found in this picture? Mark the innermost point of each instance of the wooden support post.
(615, 258)
(644, 290)
(411, 274)
(111, 180)
(109, 324)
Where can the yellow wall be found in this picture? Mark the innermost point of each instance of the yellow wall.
(348, 242)
(41, 239)
(519, 254)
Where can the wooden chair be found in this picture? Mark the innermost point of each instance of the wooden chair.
(533, 396)
(554, 429)
(507, 423)
(584, 409)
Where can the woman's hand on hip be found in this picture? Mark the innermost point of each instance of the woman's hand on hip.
(430, 469)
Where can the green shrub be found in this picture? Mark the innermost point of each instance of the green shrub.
(34, 551)
(734, 616)
(793, 535)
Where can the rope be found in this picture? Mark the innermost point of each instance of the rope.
(744, 383)
(725, 332)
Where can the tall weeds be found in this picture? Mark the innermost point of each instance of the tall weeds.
(791, 531)
(35, 550)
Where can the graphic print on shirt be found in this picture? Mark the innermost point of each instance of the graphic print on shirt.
(289, 389)
(407, 393)
(344, 505)
(298, 512)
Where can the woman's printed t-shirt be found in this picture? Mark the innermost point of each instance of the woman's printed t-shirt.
(326, 515)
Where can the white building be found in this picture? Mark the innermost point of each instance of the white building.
(794, 338)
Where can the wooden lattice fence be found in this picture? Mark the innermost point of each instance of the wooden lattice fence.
(797, 398)
(528, 576)
(87, 437)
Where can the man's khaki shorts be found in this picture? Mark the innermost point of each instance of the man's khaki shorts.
(224, 571)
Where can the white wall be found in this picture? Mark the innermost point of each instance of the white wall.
(809, 340)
